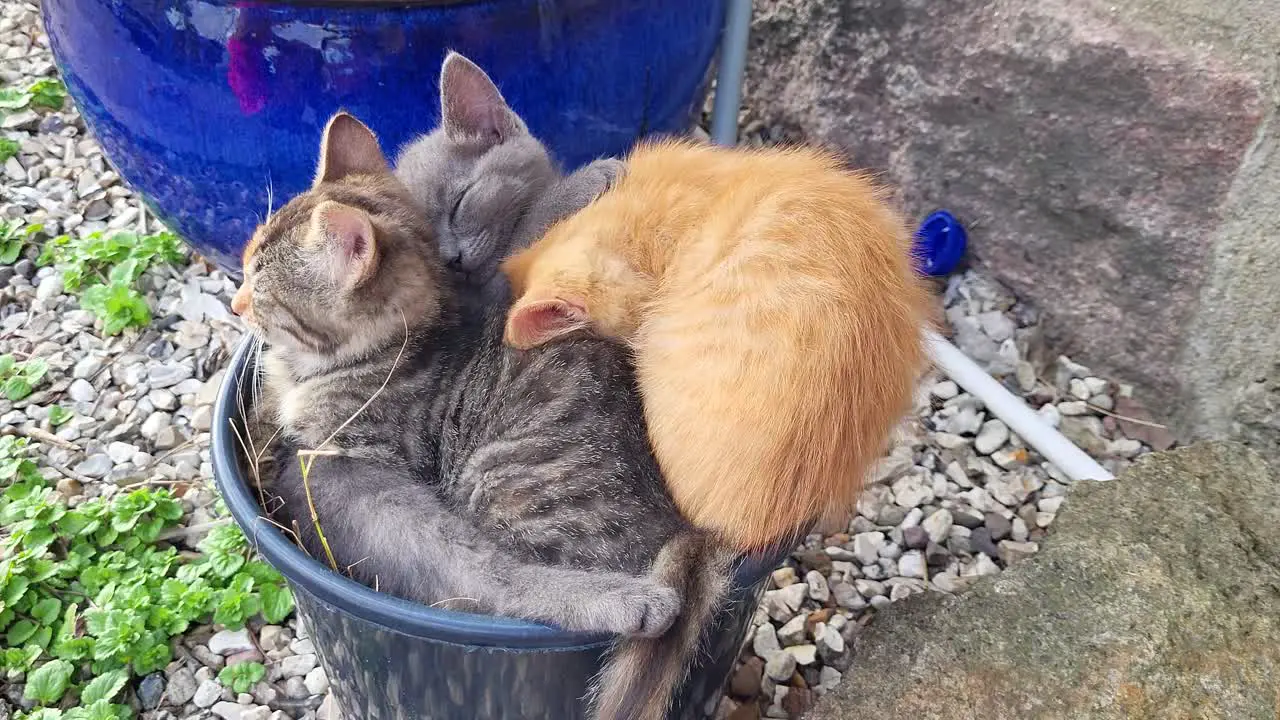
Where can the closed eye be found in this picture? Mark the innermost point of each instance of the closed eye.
(457, 203)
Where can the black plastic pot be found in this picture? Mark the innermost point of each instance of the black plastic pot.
(389, 658)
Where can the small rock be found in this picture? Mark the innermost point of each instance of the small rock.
(945, 390)
(830, 643)
(911, 491)
(69, 488)
(938, 525)
(81, 391)
(830, 677)
(1012, 552)
(819, 591)
(95, 466)
(912, 564)
(150, 690)
(121, 452)
(780, 667)
(1073, 408)
(156, 422)
(998, 526)
(299, 665)
(1012, 489)
(869, 588)
(992, 437)
(272, 637)
(793, 632)
(915, 538)
(765, 643)
(181, 686)
(949, 582)
(814, 560)
(981, 542)
(804, 654)
(784, 576)
(50, 287)
(316, 681)
(207, 694)
(866, 547)
(168, 374)
(746, 680)
(847, 597)
(229, 642)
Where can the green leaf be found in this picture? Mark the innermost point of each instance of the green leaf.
(15, 589)
(242, 676)
(104, 687)
(8, 148)
(16, 388)
(47, 93)
(277, 603)
(59, 415)
(48, 682)
(42, 714)
(7, 363)
(46, 611)
(20, 632)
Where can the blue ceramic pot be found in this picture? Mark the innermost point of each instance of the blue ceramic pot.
(205, 105)
(389, 658)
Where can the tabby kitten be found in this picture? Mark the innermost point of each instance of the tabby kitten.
(545, 451)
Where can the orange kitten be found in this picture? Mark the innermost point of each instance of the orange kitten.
(775, 316)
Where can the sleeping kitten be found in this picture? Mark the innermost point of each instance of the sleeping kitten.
(485, 182)
(775, 316)
(419, 549)
(545, 451)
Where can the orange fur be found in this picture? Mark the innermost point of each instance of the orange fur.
(775, 316)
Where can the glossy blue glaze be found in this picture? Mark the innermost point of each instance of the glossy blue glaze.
(205, 104)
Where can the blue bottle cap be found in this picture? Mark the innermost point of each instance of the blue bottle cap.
(939, 244)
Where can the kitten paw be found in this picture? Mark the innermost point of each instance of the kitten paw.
(638, 607)
(608, 173)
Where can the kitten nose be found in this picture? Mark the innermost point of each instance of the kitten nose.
(455, 262)
(240, 302)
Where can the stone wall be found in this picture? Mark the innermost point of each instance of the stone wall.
(1115, 161)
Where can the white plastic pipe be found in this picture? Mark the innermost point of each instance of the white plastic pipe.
(1050, 443)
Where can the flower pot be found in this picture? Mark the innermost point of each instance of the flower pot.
(211, 107)
(390, 658)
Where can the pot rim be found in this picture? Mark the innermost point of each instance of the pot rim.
(404, 616)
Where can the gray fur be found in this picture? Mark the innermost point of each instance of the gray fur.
(415, 547)
(489, 186)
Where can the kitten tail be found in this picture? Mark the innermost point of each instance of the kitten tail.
(642, 676)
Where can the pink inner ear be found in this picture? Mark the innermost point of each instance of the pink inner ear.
(541, 322)
(350, 238)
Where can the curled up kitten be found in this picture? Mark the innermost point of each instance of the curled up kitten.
(544, 452)
(487, 185)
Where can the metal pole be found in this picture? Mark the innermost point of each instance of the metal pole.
(729, 74)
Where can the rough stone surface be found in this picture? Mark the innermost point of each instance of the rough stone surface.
(1118, 162)
(1157, 596)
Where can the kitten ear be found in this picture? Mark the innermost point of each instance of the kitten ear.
(540, 322)
(349, 147)
(471, 107)
(347, 238)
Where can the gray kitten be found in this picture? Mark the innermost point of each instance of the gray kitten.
(488, 185)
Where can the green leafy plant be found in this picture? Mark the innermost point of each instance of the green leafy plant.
(59, 415)
(104, 270)
(242, 676)
(13, 238)
(19, 379)
(90, 598)
(45, 93)
(8, 148)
